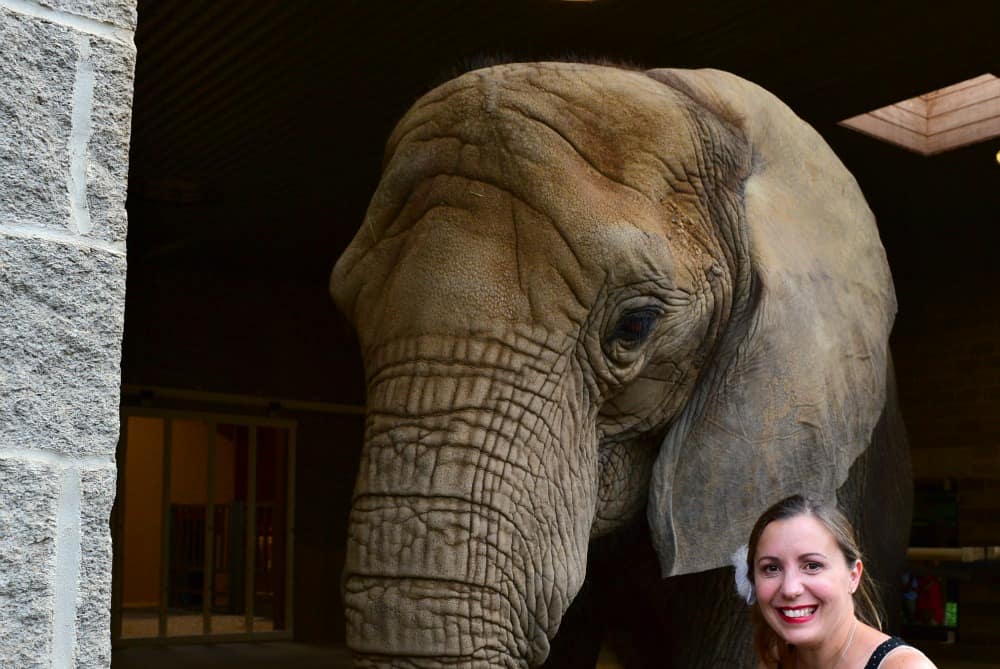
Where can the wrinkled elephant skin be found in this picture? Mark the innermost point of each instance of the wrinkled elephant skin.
(583, 292)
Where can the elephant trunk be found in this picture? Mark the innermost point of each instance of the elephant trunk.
(430, 614)
(431, 581)
(466, 541)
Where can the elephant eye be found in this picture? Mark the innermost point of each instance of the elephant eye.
(634, 327)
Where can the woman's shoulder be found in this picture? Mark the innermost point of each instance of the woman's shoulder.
(907, 657)
(889, 652)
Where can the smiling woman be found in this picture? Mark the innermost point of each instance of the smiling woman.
(815, 606)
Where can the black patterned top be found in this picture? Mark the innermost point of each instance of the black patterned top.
(883, 649)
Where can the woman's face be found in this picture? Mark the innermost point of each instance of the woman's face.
(803, 582)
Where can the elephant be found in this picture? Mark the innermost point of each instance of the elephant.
(607, 317)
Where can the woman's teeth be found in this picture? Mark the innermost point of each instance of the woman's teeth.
(799, 613)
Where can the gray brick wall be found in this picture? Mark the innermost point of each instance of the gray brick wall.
(65, 109)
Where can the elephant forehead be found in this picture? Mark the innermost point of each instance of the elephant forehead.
(518, 193)
(478, 256)
(615, 131)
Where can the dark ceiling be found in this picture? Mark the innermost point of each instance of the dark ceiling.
(258, 125)
(258, 129)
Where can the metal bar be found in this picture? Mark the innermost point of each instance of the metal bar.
(159, 392)
(118, 532)
(290, 529)
(200, 639)
(211, 416)
(165, 530)
(964, 554)
(251, 522)
(208, 585)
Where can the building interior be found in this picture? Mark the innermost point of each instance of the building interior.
(257, 138)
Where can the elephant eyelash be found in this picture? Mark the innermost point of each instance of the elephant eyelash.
(634, 327)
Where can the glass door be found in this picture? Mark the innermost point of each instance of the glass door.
(204, 527)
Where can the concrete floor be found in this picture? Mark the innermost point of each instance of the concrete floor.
(260, 655)
(288, 655)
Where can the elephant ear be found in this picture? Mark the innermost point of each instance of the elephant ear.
(798, 382)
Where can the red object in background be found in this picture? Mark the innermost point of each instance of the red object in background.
(930, 601)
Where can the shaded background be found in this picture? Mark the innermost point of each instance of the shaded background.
(257, 138)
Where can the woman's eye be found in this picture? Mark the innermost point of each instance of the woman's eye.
(635, 327)
(769, 569)
(813, 566)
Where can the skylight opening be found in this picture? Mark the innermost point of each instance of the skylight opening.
(964, 113)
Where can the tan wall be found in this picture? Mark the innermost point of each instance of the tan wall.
(190, 441)
(947, 350)
(143, 493)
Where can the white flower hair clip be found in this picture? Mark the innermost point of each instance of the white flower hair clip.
(743, 585)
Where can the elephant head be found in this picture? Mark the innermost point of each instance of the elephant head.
(581, 292)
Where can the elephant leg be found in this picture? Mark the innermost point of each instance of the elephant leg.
(708, 626)
(685, 622)
(878, 499)
(697, 621)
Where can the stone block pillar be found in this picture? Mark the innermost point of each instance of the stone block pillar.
(66, 69)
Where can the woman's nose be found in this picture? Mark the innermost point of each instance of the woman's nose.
(791, 586)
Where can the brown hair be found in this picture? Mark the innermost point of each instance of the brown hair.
(866, 606)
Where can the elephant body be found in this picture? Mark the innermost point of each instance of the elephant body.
(583, 293)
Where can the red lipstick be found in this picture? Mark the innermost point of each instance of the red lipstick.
(797, 620)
